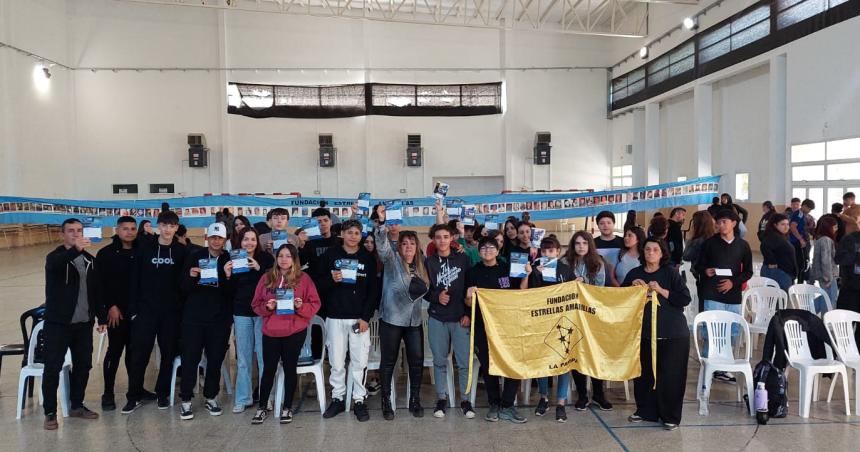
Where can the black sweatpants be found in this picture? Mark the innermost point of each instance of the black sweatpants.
(849, 299)
(285, 350)
(118, 340)
(144, 330)
(198, 338)
(666, 402)
(504, 399)
(77, 337)
(581, 383)
(390, 337)
(801, 254)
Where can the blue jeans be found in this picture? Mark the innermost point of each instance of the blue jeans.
(782, 278)
(442, 335)
(561, 390)
(712, 305)
(249, 340)
(832, 292)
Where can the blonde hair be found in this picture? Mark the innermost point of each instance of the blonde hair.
(420, 270)
(292, 277)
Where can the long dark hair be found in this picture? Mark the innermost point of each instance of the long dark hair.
(702, 225)
(592, 260)
(236, 238)
(769, 206)
(774, 220)
(640, 242)
(631, 220)
(825, 228)
(258, 250)
(141, 231)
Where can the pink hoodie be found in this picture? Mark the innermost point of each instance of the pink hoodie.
(275, 325)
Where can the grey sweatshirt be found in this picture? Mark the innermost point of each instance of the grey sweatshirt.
(397, 307)
(824, 268)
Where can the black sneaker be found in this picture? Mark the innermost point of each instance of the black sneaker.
(635, 418)
(147, 396)
(213, 407)
(441, 407)
(581, 404)
(510, 414)
(670, 427)
(131, 406)
(360, 410)
(415, 407)
(163, 403)
(724, 377)
(260, 417)
(468, 411)
(560, 414)
(185, 412)
(387, 411)
(286, 416)
(108, 403)
(492, 414)
(601, 403)
(542, 406)
(335, 407)
(373, 388)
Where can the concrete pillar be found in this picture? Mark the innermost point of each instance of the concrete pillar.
(703, 118)
(652, 143)
(778, 184)
(639, 169)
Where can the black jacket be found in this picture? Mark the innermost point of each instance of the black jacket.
(116, 268)
(675, 242)
(718, 254)
(62, 283)
(205, 303)
(671, 322)
(155, 283)
(775, 344)
(777, 250)
(848, 258)
(344, 300)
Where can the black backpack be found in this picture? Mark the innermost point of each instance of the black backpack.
(776, 385)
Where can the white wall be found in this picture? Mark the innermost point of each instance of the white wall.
(677, 155)
(130, 127)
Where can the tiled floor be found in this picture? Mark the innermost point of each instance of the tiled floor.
(728, 427)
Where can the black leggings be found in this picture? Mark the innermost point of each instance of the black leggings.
(581, 383)
(389, 341)
(286, 350)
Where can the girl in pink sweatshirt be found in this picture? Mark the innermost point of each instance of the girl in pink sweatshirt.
(284, 329)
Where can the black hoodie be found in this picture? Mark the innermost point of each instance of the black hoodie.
(116, 267)
(246, 283)
(62, 283)
(348, 301)
(205, 303)
(447, 273)
(155, 284)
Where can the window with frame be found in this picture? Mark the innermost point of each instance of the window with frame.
(742, 186)
(622, 176)
(676, 62)
(741, 31)
(824, 171)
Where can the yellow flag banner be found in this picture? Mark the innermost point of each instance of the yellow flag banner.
(571, 326)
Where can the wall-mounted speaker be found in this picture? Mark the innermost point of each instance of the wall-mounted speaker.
(124, 189)
(542, 148)
(414, 151)
(327, 150)
(161, 188)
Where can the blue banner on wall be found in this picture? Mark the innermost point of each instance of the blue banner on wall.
(199, 211)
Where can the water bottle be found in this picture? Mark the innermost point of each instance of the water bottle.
(761, 404)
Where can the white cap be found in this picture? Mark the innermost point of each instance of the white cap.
(216, 230)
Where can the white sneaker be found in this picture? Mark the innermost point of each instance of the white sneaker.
(185, 412)
(238, 409)
(213, 408)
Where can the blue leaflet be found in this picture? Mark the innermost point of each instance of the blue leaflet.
(208, 272)
(286, 302)
(491, 223)
(312, 229)
(537, 236)
(394, 212)
(279, 239)
(518, 265)
(550, 269)
(364, 204)
(93, 229)
(440, 191)
(240, 261)
(469, 212)
(348, 270)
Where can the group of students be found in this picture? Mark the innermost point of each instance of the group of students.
(149, 287)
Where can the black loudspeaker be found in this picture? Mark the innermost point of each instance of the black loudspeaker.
(124, 189)
(196, 139)
(542, 149)
(161, 188)
(198, 157)
(327, 150)
(414, 151)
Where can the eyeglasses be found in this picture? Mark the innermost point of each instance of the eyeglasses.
(488, 248)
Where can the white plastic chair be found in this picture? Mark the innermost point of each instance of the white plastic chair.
(759, 306)
(721, 355)
(761, 281)
(801, 359)
(692, 308)
(102, 337)
(840, 327)
(37, 370)
(225, 375)
(316, 369)
(802, 296)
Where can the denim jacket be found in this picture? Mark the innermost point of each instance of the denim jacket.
(397, 307)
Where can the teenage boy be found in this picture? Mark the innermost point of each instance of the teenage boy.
(725, 264)
(313, 250)
(848, 200)
(675, 238)
(550, 248)
(72, 291)
(489, 274)
(608, 244)
(280, 220)
(206, 319)
(155, 306)
(116, 265)
(349, 296)
(799, 236)
(448, 323)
